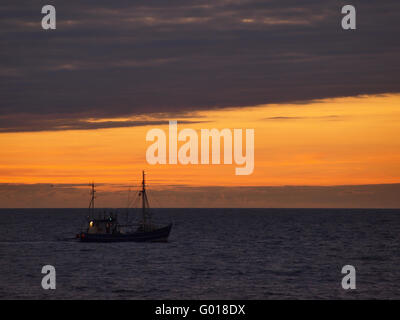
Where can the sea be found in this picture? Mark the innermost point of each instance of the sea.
(211, 254)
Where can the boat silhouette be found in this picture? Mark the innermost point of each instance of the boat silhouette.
(108, 229)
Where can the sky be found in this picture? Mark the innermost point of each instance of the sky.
(76, 102)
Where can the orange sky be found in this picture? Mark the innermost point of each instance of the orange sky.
(342, 141)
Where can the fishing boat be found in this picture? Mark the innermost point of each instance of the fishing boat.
(108, 229)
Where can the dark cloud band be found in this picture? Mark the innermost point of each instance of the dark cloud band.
(117, 58)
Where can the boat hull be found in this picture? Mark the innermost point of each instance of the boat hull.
(158, 235)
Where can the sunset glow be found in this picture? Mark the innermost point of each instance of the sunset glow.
(338, 141)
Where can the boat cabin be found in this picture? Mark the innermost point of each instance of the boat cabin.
(107, 225)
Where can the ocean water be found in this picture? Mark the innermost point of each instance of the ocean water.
(211, 254)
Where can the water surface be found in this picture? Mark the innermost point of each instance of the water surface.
(212, 254)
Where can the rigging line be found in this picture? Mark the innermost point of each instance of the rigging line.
(134, 200)
(155, 200)
(134, 203)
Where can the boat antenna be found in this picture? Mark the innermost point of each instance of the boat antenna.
(145, 202)
(92, 194)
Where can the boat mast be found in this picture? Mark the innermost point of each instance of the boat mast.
(91, 204)
(145, 202)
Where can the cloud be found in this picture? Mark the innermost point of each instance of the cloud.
(50, 122)
(286, 118)
(116, 58)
